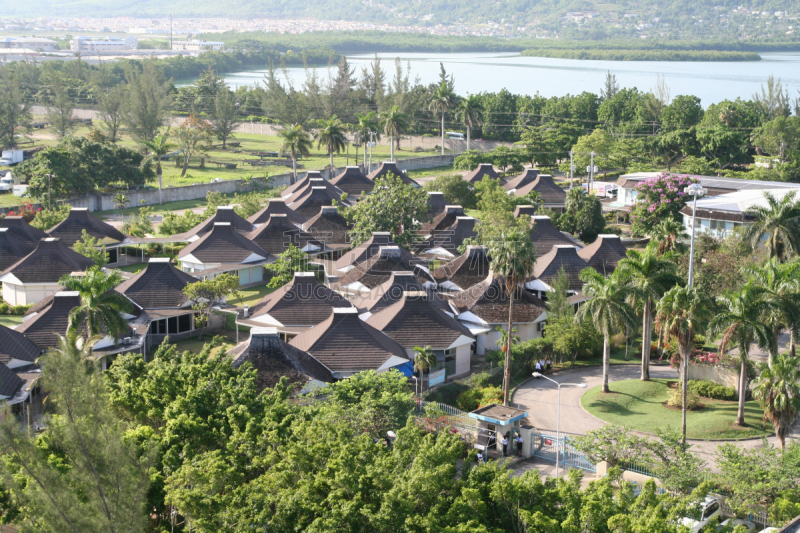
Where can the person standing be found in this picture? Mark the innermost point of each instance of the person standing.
(505, 446)
(547, 366)
(480, 457)
(518, 441)
(538, 369)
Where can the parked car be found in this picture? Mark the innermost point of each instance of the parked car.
(710, 508)
(733, 522)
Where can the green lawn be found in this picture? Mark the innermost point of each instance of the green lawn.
(132, 268)
(638, 405)
(196, 345)
(430, 172)
(617, 358)
(10, 320)
(250, 296)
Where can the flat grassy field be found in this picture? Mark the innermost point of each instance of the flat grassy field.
(638, 405)
(10, 321)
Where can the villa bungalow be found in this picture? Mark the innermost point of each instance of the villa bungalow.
(273, 358)
(547, 268)
(484, 307)
(223, 250)
(414, 321)
(302, 303)
(19, 228)
(302, 182)
(309, 203)
(377, 269)
(436, 204)
(444, 243)
(524, 210)
(553, 196)
(35, 277)
(329, 227)
(70, 231)
(353, 182)
(346, 345)
(387, 293)
(484, 170)
(43, 323)
(525, 178)
(604, 253)
(362, 252)
(276, 206)
(446, 218)
(335, 192)
(391, 167)
(466, 270)
(275, 236)
(10, 385)
(225, 215)
(17, 350)
(12, 248)
(544, 236)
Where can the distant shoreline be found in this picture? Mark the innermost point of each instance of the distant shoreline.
(645, 55)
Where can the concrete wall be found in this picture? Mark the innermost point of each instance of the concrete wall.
(463, 359)
(28, 294)
(723, 376)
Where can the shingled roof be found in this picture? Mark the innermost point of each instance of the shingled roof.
(353, 182)
(371, 272)
(544, 235)
(565, 257)
(159, 286)
(20, 228)
(464, 271)
(273, 359)
(275, 236)
(226, 214)
(365, 250)
(10, 382)
(604, 253)
(47, 263)
(302, 182)
(12, 248)
(15, 345)
(526, 177)
(309, 203)
(524, 210)
(70, 229)
(484, 170)
(550, 193)
(277, 206)
(387, 292)
(446, 218)
(300, 192)
(223, 245)
(436, 204)
(51, 320)
(445, 242)
(345, 343)
(329, 226)
(387, 167)
(303, 301)
(487, 301)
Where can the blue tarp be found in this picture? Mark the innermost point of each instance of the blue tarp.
(407, 369)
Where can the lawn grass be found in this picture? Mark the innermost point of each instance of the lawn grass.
(132, 268)
(638, 405)
(430, 172)
(196, 345)
(250, 296)
(10, 321)
(617, 358)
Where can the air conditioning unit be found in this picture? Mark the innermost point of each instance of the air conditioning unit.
(126, 340)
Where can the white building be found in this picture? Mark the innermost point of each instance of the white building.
(37, 44)
(195, 45)
(109, 44)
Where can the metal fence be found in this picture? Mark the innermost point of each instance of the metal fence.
(549, 445)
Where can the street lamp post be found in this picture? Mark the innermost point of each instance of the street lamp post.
(695, 189)
(558, 416)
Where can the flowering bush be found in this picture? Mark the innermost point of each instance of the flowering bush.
(27, 212)
(706, 358)
(659, 198)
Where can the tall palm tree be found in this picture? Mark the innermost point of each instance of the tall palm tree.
(470, 113)
(740, 322)
(780, 283)
(648, 277)
(682, 313)
(666, 236)
(100, 310)
(158, 148)
(332, 134)
(443, 98)
(395, 123)
(513, 257)
(366, 125)
(296, 142)
(778, 392)
(779, 220)
(424, 359)
(606, 309)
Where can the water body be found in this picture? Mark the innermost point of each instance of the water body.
(491, 72)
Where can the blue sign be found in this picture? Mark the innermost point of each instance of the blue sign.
(436, 378)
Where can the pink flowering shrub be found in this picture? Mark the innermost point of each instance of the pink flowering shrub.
(659, 198)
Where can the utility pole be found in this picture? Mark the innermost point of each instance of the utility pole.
(571, 167)
(371, 144)
(170, 31)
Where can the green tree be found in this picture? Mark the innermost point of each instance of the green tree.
(59, 108)
(667, 236)
(513, 258)
(194, 134)
(778, 392)
(207, 293)
(332, 134)
(682, 113)
(395, 123)
(92, 248)
(583, 215)
(424, 359)
(141, 225)
(442, 99)
(367, 124)
(120, 201)
(723, 145)
(780, 137)
(224, 115)
(100, 310)
(606, 310)
(148, 101)
(456, 191)
(470, 113)
(295, 142)
(110, 107)
(158, 148)
(47, 218)
(600, 142)
(292, 260)
(15, 112)
(779, 220)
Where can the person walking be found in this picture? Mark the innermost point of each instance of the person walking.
(480, 457)
(518, 441)
(547, 366)
(538, 369)
(505, 446)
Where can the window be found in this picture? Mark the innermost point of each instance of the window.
(172, 325)
(244, 276)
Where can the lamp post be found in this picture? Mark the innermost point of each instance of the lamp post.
(695, 189)
(558, 416)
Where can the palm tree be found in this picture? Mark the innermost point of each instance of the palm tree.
(424, 359)
(443, 98)
(606, 309)
(395, 124)
(332, 135)
(778, 392)
(648, 277)
(740, 322)
(158, 148)
(470, 113)
(683, 312)
(367, 124)
(513, 257)
(779, 220)
(296, 142)
(666, 236)
(100, 310)
(780, 283)
(120, 201)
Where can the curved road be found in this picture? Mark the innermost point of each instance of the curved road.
(540, 398)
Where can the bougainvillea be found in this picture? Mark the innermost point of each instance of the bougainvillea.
(26, 211)
(659, 198)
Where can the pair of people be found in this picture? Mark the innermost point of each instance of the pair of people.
(543, 366)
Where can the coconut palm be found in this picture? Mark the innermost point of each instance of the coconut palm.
(682, 313)
(100, 310)
(780, 283)
(366, 125)
(470, 113)
(648, 277)
(158, 148)
(778, 392)
(120, 201)
(666, 236)
(424, 359)
(779, 220)
(606, 309)
(443, 98)
(295, 142)
(740, 321)
(513, 257)
(395, 123)
(332, 134)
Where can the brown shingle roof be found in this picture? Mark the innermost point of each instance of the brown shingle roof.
(484, 170)
(436, 204)
(10, 382)
(488, 301)
(15, 345)
(345, 343)
(44, 328)
(353, 182)
(329, 226)
(524, 210)
(378, 269)
(22, 230)
(222, 245)
(388, 292)
(604, 253)
(549, 265)
(464, 271)
(309, 203)
(365, 250)
(452, 237)
(278, 233)
(334, 191)
(446, 218)
(276, 206)
(159, 286)
(48, 263)
(71, 228)
(225, 213)
(304, 301)
(544, 235)
(12, 248)
(414, 321)
(302, 182)
(387, 167)
(547, 189)
(526, 177)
